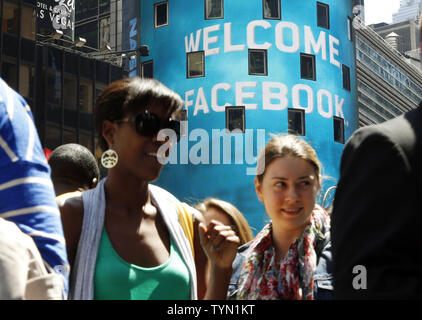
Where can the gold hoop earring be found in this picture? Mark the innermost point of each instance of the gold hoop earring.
(109, 159)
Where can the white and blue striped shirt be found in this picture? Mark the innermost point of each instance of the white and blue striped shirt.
(27, 195)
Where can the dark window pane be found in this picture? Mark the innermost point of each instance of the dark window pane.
(258, 62)
(11, 49)
(338, 130)
(88, 31)
(71, 63)
(54, 58)
(323, 15)
(70, 118)
(104, 6)
(53, 90)
(161, 18)
(116, 73)
(147, 69)
(195, 64)
(307, 66)
(26, 80)
(346, 77)
(86, 67)
(272, 9)
(9, 73)
(52, 136)
(10, 18)
(70, 92)
(235, 118)
(213, 9)
(85, 9)
(28, 23)
(296, 122)
(85, 96)
(28, 50)
(102, 71)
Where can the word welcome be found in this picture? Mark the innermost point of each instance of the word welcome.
(275, 96)
(287, 38)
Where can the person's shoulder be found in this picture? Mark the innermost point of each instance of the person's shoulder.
(161, 193)
(70, 202)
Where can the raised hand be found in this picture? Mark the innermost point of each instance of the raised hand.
(220, 243)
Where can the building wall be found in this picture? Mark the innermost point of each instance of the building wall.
(59, 83)
(200, 170)
(387, 84)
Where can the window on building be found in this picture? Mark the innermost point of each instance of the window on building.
(104, 6)
(85, 139)
(235, 119)
(69, 136)
(346, 77)
(53, 88)
(296, 121)
(10, 17)
(323, 15)
(183, 117)
(28, 22)
(214, 9)
(258, 62)
(350, 28)
(307, 66)
(338, 129)
(85, 95)
(88, 31)
(52, 136)
(9, 73)
(272, 9)
(161, 14)
(26, 80)
(70, 92)
(195, 64)
(147, 69)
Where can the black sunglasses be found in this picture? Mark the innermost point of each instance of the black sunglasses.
(149, 124)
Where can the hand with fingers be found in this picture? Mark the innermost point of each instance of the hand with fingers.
(220, 244)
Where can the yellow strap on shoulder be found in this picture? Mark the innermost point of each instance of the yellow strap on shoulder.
(186, 221)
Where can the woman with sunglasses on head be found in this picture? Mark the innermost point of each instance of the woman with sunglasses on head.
(290, 258)
(124, 238)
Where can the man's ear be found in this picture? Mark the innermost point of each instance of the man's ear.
(109, 129)
(258, 189)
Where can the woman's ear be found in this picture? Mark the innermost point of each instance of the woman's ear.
(109, 129)
(258, 189)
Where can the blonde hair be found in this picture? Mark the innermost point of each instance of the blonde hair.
(241, 226)
(287, 145)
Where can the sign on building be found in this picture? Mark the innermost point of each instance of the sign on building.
(55, 15)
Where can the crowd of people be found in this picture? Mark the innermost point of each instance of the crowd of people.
(67, 234)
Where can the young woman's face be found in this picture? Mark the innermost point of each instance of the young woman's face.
(288, 191)
(138, 153)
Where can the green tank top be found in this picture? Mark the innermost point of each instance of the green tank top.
(115, 279)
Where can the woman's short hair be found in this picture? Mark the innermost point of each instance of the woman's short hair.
(287, 145)
(239, 223)
(128, 95)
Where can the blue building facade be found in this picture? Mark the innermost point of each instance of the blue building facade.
(246, 69)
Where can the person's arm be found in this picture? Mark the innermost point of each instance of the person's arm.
(374, 222)
(215, 250)
(71, 213)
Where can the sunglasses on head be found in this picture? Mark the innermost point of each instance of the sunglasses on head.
(148, 124)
